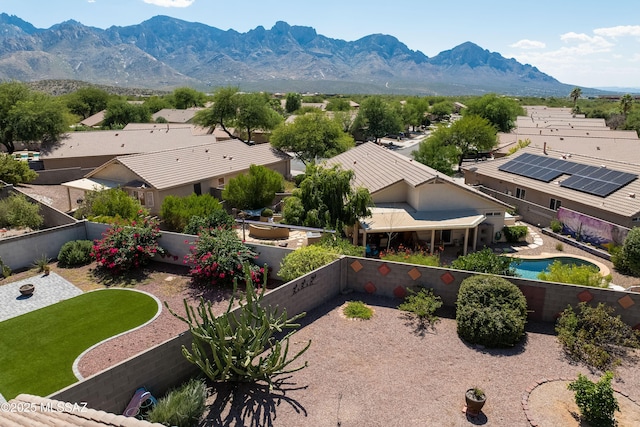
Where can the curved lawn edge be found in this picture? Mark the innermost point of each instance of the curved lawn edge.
(76, 362)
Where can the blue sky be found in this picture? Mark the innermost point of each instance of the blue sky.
(586, 43)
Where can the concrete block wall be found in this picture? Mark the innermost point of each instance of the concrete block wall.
(21, 251)
(58, 176)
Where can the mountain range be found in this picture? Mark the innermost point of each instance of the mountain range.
(164, 53)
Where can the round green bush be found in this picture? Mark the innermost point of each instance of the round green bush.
(75, 253)
(627, 259)
(490, 311)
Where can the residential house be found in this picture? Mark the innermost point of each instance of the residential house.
(174, 115)
(418, 203)
(92, 149)
(199, 169)
(576, 163)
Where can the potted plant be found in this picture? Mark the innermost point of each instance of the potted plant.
(266, 215)
(475, 399)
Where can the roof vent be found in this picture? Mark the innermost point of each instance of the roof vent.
(598, 148)
(230, 158)
(117, 134)
(632, 195)
(122, 145)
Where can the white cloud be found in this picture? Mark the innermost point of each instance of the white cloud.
(170, 3)
(584, 44)
(528, 44)
(619, 31)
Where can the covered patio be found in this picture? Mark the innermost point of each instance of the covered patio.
(431, 228)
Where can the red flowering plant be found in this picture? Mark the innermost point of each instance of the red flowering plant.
(126, 247)
(218, 257)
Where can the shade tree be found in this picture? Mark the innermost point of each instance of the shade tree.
(253, 190)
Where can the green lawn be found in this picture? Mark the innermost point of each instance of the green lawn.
(37, 349)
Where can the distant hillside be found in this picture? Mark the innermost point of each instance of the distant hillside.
(165, 53)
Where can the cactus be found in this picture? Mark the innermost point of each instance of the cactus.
(241, 345)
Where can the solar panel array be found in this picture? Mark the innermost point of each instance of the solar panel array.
(599, 181)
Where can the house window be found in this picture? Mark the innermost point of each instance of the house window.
(197, 188)
(520, 192)
(220, 182)
(554, 204)
(636, 219)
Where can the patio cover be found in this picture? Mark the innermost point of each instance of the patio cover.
(91, 184)
(402, 217)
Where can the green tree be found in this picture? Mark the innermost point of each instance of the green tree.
(468, 135)
(378, 118)
(311, 137)
(293, 102)
(338, 104)
(500, 111)
(253, 190)
(87, 101)
(29, 116)
(414, 111)
(442, 109)
(575, 94)
(17, 211)
(585, 275)
(156, 103)
(327, 199)
(436, 154)
(626, 103)
(120, 113)
(247, 112)
(176, 211)
(627, 259)
(14, 171)
(186, 97)
(113, 203)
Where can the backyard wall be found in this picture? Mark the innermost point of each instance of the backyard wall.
(164, 367)
(51, 216)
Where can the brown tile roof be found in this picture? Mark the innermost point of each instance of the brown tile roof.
(172, 168)
(39, 411)
(120, 142)
(173, 115)
(377, 168)
(94, 120)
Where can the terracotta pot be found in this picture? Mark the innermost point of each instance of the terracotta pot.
(474, 404)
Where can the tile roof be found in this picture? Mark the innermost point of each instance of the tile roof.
(619, 202)
(39, 411)
(377, 168)
(172, 168)
(173, 115)
(119, 142)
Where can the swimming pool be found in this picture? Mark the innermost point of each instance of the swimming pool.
(529, 268)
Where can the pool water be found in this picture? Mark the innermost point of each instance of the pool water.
(530, 268)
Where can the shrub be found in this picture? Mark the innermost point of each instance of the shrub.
(181, 407)
(176, 211)
(585, 275)
(408, 256)
(358, 310)
(422, 304)
(627, 259)
(75, 253)
(559, 247)
(115, 203)
(485, 261)
(253, 190)
(595, 337)
(340, 245)
(217, 219)
(218, 257)
(515, 233)
(490, 311)
(596, 401)
(267, 213)
(304, 260)
(41, 262)
(4, 269)
(14, 171)
(17, 211)
(556, 226)
(124, 248)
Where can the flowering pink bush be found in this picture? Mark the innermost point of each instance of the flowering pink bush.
(218, 257)
(123, 248)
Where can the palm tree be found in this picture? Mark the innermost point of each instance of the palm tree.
(575, 94)
(626, 102)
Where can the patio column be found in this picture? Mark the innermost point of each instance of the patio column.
(475, 237)
(466, 241)
(69, 197)
(433, 241)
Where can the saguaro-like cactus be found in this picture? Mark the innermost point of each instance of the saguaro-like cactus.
(242, 344)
